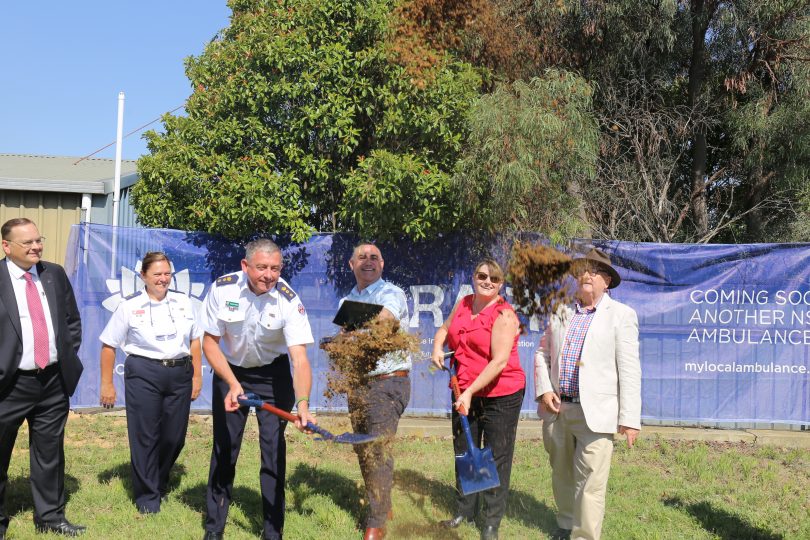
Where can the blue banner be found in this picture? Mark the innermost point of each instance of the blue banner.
(724, 329)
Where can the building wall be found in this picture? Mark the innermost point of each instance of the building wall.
(102, 211)
(53, 213)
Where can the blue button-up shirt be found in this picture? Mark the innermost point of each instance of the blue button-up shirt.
(393, 299)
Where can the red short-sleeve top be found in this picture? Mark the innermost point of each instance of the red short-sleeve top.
(471, 339)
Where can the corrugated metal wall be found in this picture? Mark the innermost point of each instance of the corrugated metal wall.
(126, 213)
(53, 213)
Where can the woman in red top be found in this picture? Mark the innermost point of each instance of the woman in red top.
(483, 331)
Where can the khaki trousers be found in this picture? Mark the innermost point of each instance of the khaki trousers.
(580, 465)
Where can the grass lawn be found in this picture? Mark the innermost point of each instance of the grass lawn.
(659, 489)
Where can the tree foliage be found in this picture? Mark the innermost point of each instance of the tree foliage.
(295, 108)
(739, 67)
(671, 121)
(527, 142)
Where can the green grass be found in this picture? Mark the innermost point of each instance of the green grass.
(659, 489)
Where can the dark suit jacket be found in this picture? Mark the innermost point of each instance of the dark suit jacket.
(64, 316)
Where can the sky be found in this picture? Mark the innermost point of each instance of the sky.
(62, 65)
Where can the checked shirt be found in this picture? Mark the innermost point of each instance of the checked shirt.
(572, 350)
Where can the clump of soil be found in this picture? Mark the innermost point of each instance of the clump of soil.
(537, 274)
(353, 354)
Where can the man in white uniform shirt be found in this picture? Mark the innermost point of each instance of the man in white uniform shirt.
(255, 327)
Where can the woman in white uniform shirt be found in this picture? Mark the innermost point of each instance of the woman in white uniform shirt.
(157, 329)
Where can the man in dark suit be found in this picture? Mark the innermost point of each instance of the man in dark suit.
(40, 334)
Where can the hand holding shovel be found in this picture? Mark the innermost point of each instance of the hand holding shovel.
(252, 400)
(476, 467)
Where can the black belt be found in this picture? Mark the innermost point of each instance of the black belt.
(278, 358)
(47, 370)
(169, 362)
(569, 399)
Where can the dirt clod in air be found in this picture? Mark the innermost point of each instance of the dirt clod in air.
(353, 354)
(538, 275)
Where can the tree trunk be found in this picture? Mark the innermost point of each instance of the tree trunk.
(702, 12)
(759, 184)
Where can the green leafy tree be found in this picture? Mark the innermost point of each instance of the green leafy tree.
(724, 90)
(295, 115)
(527, 143)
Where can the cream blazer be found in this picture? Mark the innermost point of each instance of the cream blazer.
(609, 371)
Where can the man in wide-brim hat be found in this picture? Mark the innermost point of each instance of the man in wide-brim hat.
(588, 384)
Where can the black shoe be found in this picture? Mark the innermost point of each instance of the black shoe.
(454, 522)
(63, 526)
(490, 532)
(213, 536)
(561, 534)
(147, 511)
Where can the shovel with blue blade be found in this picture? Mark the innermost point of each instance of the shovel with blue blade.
(252, 400)
(476, 466)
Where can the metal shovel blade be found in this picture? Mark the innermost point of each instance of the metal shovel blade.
(353, 438)
(476, 466)
(252, 400)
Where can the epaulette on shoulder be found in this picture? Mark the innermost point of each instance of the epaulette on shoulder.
(227, 280)
(133, 295)
(286, 291)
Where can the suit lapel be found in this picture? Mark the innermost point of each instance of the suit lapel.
(46, 278)
(600, 318)
(8, 299)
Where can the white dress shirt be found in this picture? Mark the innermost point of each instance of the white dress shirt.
(27, 362)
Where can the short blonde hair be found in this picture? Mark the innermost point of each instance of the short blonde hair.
(494, 268)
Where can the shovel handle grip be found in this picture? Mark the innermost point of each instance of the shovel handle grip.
(454, 382)
(289, 417)
(281, 413)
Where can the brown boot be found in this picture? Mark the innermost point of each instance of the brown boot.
(373, 533)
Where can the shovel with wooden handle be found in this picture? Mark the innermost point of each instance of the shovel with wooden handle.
(476, 466)
(252, 400)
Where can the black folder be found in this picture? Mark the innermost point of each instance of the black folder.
(353, 314)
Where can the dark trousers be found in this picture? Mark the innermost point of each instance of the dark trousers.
(272, 383)
(376, 408)
(493, 421)
(158, 401)
(41, 401)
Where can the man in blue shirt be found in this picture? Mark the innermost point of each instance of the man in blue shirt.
(376, 406)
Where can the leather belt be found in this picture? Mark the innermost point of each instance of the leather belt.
(399, 373)
(170, 362)
(569, 399)
(47, 370)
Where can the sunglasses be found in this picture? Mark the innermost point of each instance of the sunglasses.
(481, 276)
(591, 269)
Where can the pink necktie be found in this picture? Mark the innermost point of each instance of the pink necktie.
(41, 347)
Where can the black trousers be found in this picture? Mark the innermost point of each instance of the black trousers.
(376, 408)
(273, 383)
(158, 402)
(493, 421)
(41, 401)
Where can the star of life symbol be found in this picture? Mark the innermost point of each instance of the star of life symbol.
(131, 282)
